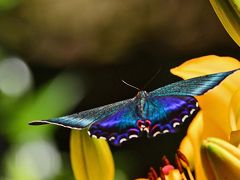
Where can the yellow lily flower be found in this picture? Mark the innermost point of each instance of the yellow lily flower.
(91, 158)
(228, 11)
(221, 160)
(213, 120)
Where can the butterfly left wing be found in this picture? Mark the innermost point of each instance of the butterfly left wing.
(192, 87)
(85, 118)
(115, 122)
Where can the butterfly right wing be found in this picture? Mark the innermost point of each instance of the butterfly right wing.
(192, 87)
(85, 118)
(177, 103)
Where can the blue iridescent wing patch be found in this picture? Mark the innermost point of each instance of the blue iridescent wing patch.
(85, 118)
(118, 127)
(167, 113)
(158, 112)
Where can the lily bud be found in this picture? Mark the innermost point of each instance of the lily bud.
(221, 160)
(228, 12)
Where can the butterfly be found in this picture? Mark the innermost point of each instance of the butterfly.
(160, 111)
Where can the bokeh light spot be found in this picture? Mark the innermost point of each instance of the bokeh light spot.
(38, 160)
(15, 77)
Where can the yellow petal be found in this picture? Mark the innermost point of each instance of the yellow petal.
(235, 138)
(228, 11)
(234, 111)
(194, 137)
(186, 147)
(205, 65)
(91, 158)
(234, 116)
(222, 157)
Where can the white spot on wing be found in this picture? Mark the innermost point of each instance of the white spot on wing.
(142, 128)
(175, 124)
(122, 140)
(133, 136)
(111, 138)
(197, 104)
(165, 131)
(192, 111)
(184, 118)
(89, 133)
(94, 136)
(156, 133)
(101, 137)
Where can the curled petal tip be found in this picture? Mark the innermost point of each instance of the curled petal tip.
(205, 65)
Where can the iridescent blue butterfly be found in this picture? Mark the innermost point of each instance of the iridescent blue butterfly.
(160, 111)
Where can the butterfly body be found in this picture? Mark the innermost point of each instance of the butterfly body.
(160, 111)
(152, 115)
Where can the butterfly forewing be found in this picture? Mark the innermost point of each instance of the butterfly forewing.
(85, 118)
(192, 87)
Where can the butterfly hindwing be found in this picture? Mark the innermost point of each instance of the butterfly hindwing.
(167, 113)
(118, 127)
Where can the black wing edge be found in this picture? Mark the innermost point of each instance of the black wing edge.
(40, 122)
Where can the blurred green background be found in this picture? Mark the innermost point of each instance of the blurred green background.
(58, 57)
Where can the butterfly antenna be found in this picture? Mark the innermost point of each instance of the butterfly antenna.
(130, 85)
(152, 78)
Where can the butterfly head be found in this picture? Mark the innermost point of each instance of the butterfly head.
(142, 94)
